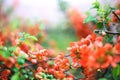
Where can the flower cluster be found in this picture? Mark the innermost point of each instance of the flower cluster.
(91, 54)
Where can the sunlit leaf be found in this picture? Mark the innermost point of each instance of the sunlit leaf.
(96, 4)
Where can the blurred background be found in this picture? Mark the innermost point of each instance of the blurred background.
(44, 9)
(55, 22)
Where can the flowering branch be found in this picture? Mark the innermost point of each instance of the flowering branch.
(54, 58)
(30, 64)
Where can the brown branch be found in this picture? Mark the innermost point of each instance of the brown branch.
(113, 33)
(116, 15)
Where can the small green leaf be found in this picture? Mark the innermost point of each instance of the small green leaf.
(15, 69)
(100, 25)
(50, 62)
(21, 60)
(116, 72)
(22, 39)
(15, 76)
(108, 39)
(5, 53)
(25, 36)
(11, 49)
(33, 37)
(96, 4)
(102, 79)
(90, 19)
(77, 73)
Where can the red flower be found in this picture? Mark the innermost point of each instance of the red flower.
(41, 55)
(4, 74)
(24, 47)
(59, 74)
(61, 63)
(77, 19)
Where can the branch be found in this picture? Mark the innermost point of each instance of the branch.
(54, 58)
(108, 32)
(116, 15)
(113, 33)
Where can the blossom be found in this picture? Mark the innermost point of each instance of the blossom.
(61, 63)
(77, 19)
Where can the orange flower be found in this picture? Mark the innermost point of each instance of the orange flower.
(61, 63)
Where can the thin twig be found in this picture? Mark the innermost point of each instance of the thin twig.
(104, 25)
(108, 32)
(113, 33)
(54, 58)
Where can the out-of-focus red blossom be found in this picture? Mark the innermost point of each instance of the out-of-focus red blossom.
(40, 69)
(34, 30)
(24, 47)
(10, 62)
(59, 74)
(114, 18)
(77, 19)
(15, 38)
(117, 46)
(4, 74)
(117, 51)
(2, 39)
(2, 58)
(117, 4)
(15, 3)
(90, 75)
(70, 77)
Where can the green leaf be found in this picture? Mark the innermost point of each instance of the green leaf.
(102, 79)
(90, 19)
(25, 36)
(43, 75)
(100, 25)
(116, 72)
(22, 39)
(11, 49)
(5, 53)
(15, 69)
(77, 73)
(33, 37)
(108, 39)
(15, 76)
(9, 10)
(50, 62)
(96, 4)
(21, 60)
